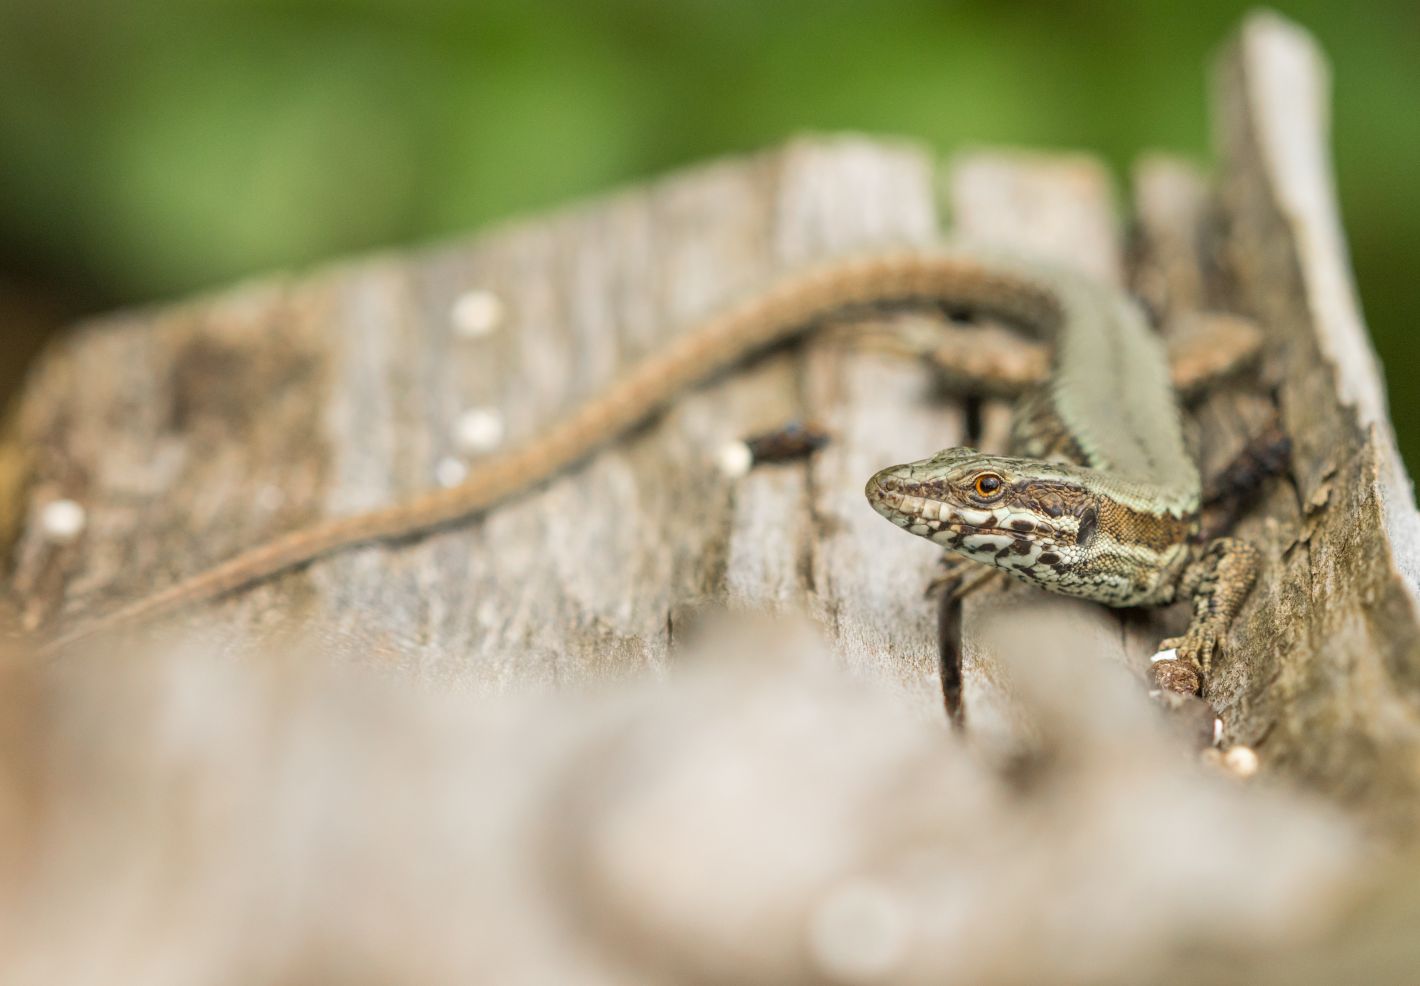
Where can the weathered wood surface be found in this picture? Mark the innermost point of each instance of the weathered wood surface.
(190, 432)
(1329, 658)
(754, 815)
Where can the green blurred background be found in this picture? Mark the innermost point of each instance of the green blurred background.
(153, 147)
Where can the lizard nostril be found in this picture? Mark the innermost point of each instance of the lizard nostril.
(894, 479)
(888, 489)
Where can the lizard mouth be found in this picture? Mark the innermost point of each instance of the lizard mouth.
(901, 501)
(907, 519)
(908, 509)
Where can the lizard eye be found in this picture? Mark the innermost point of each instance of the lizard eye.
(988, 486)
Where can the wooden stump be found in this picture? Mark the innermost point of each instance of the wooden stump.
(189, 432)
(759, 815)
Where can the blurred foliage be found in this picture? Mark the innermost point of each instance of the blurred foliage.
(152, 147)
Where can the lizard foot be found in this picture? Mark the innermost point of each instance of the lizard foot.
(1202, 643)
(952, 573)
(1173, 670)
(1218, 581)
(958, 578)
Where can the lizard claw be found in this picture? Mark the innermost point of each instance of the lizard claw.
(1181, 662)
(1199, 645)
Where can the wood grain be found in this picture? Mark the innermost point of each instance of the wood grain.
(189, 432)
(1329, 665)
(752, 807)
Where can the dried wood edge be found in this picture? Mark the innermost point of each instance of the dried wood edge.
(1288, 97)
(1342, 674)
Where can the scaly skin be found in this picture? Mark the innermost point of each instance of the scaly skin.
(1053, 525)
(1060, 527)
(1110, 407)
(1100, 501)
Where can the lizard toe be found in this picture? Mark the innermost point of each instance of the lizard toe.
(1175, 675)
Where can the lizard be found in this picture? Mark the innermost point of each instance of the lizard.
(1100, 498)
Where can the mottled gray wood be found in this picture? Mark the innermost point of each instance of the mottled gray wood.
(192, 431)
(758, 816)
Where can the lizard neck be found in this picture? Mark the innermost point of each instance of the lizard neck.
(1109, 386)
(1109, 389)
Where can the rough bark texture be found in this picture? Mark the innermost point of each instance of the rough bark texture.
(191, 432)
(1328, 658)
(746, 811)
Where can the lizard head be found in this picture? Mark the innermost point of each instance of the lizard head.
(1029, 517)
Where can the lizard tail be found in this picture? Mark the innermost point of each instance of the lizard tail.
(765, 318)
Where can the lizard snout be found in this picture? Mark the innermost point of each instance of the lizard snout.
(891, 492)
(887, 482)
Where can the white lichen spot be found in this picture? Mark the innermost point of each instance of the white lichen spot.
(476, 313)
(450, 471)
(1217, 731)
(857, 933)
(479, 430)
(62, 521)
(1241, 761)
(489, 614)
(1165, 655)
(734, 459)
(270, 498)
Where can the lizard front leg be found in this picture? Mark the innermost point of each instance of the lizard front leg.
(958, 577)
(1218, 582)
